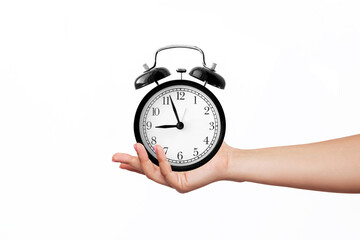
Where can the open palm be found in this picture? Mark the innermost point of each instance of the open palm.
(183, 182)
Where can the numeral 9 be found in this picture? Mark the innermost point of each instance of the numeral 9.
(148, 125)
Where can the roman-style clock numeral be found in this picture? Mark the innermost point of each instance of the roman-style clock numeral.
(153, 140)
(155, 111)
(196, 152)
(166, 100)
(180, 95)
(207, 109)
(180, 155)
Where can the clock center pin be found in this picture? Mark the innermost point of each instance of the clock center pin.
(179, 125)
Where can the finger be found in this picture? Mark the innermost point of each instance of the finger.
(122, 157)
(165, 167)
(130, 168)
(150, 170)
(128, 159)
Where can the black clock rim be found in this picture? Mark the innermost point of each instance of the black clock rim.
(208, 93)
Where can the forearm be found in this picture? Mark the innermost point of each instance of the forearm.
(326, 166)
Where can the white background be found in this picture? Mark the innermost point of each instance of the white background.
(67, 103)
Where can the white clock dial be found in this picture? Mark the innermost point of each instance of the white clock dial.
(197, 112)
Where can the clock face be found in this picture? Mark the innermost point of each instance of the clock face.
(184, 118)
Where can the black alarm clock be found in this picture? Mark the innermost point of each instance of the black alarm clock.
(182, 116)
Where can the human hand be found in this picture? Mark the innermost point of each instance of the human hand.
(212, 171)
(331, 166)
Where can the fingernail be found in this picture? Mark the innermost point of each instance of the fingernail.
(135, 147)
(155, 148)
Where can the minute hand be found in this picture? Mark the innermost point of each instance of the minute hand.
(173, 106)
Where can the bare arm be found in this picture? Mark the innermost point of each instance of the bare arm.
(332, 166)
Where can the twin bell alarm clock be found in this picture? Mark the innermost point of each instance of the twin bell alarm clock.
(182, 116)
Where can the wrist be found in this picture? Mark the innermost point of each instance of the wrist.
(236, 167)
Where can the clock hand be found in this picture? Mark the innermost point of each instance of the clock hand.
(166, 126)
(173, 106)
(179, 125)
(182, 118)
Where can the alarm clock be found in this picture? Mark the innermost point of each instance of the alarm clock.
(182, 116)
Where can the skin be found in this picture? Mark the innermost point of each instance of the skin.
(332, 166)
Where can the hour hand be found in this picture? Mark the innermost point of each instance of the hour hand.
(166, 126)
